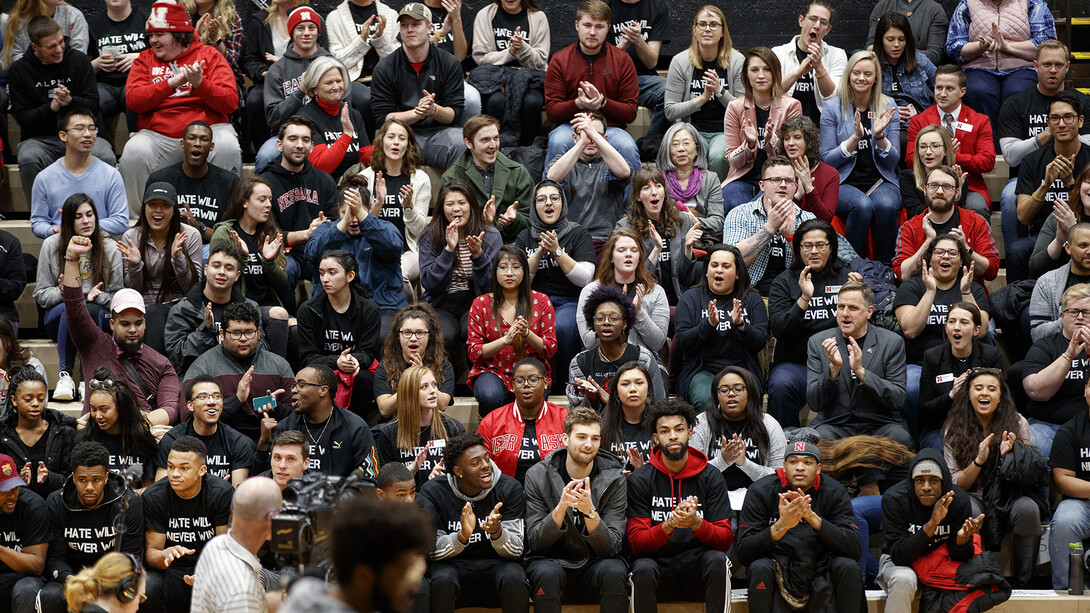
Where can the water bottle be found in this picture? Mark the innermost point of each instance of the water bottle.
(1074, 572)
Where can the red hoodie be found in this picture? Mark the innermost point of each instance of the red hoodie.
(168, 110)
(654, 491)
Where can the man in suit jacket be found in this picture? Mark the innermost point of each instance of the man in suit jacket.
(856, 374)
(972, 133)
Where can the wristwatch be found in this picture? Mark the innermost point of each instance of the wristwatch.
(559, 252)
(593, 514)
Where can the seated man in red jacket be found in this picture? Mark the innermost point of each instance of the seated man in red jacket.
(522, 433)
(942, 217)
(678, 517)
(177, 80)
(971, 131)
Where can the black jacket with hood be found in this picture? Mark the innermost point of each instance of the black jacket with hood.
(80, 536)
(569, 545)
(903, 518)
(572, 238)
(60, 437)
(298, 197)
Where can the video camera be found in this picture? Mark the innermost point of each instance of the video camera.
(300, 531)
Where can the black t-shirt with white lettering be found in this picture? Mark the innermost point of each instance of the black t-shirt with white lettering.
(388, 451)
(126, 36)
(754, 173)
(777, 263)
(1068, 401)
(1071, 447)
(652, 16)
(391, 207)
(708, 118)
(361, 14)
(504, 25)
(602, 370)
(253, 273)
(227, 448)
(667, 266)
(734, 476)
(338, 332)
(911, 293)
(206, 197)
(865, 173)
(804, 91)
(1025, 114)
(820, 313)
(529, 452)
(27, 525)
(1032, 171)
(189, 522)
(550, 278)
(119, 460)
(632, 435)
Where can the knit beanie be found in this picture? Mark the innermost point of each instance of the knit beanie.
(168, 16)
(300, 14)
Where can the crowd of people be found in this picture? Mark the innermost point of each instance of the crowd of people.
(695, 298)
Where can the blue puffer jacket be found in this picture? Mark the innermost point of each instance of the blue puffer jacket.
(917, 87)
(377, 248)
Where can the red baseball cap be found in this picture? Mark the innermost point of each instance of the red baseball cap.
(9, 474)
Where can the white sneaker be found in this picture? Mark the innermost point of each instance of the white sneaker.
(66, 388)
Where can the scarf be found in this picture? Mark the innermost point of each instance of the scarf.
(696, 180)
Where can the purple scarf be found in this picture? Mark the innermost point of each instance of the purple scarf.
(696, 180)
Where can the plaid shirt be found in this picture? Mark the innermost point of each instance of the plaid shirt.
(745, 221)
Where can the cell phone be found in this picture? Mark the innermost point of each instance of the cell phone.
(264, 403)
(874, 187)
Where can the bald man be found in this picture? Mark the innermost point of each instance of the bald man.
(226, 578)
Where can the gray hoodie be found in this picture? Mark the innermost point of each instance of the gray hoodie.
(283, 94)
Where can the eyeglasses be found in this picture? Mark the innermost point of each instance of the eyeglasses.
(682, 144)
(407, 334)
(305, 384)
(708, 25)
(104, 385)
(779, 180)
(82, 128)
(1064, 119)
(1077, 313)
(935, 147)
(238, 335)
(822, 246)
(207, 397)
(612, 319)
(530, 381)
(946, 253)
(509, 268)
(941, 186)
(815, 19)
(737, 389)
(543, 198)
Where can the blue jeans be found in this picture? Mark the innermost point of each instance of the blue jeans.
(560, 140)
(868, 512)
(568, 344)
(912, 398)
(738, 192)
(1070, 524)
(652, 94)
(931, 440)
(491, 393)
(1043, 433)
(880, 209)
(266, 153)
(986, 92)
(1017, 241)
(786, 392)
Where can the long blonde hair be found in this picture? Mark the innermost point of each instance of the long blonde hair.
(725, 45)
(18, 18)
(917, 165)
(408, 410)
(223, 10)
(102, 578)
(878, 101)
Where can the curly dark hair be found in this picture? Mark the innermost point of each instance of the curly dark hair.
(89, 454)
(753, 425)
(608, 293)
(457, 447)
(374, 533)
(962, 431)
(241, 311)
(668, 408)
(834, 264)
(136, 438)
(435, 354)
(810, 134)
(963, 253)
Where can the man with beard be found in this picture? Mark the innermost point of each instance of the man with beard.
(575, 509)
(942, 217)
(478, 514)
(202, 188)
(867, 399)
(244, 369)
(94, 513)
(798, 539)
(678, 517)
(147, 371)
(377, 557)
(228, 454)
(1044, 303)
(340, 441)
(303, 196)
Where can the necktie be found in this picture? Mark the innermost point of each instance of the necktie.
(948, 123)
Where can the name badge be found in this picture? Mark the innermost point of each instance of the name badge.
(947, 378)
(870, 114)
(967, 127)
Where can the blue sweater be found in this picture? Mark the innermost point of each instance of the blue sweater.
(101, 182)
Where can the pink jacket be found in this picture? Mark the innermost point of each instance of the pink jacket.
(1012, 18)
(739, 155)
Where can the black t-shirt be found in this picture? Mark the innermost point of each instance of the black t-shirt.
(438, 14)
(253, 273)
(330, 131)
(1025, 114)
(865, 173)
(189, 522)
(1068, 401)
(652, 16)
(504, 25)
(360, 14)
(804, 91)
(820, 313)
(27, 525)
(1071, 447)
(119, 460)
(911, 293)
(529, 452)
(227, 449)
(206, 197)
(667, 265)
(734, 476)
(777, 263)
(759, 160)
(126, 36)
(381, 386)
(388, 451)
(391, 207)
(1032, 171)
(602, 370)
(632, 435)
(950, 224)
(338, 332)
(708, 118)
(1074, 279)
(550, 278)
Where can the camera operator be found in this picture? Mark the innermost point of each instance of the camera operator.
(226, 578)
(377, 553)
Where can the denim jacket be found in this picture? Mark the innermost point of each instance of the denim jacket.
(917, 87)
